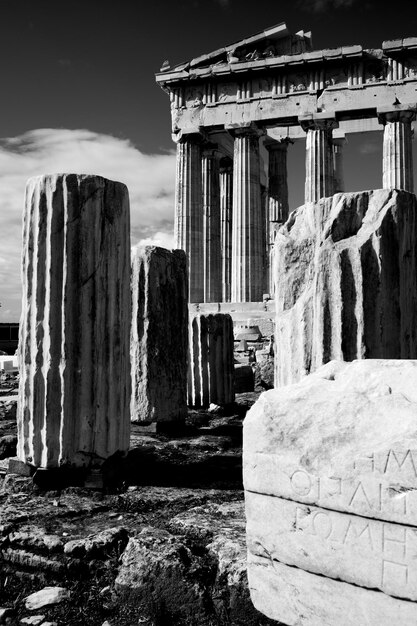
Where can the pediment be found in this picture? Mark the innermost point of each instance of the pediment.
(271, 42)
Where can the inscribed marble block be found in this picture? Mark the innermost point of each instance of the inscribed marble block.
(330, 476)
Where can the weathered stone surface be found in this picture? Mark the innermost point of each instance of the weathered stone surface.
(159, 343)
(155, 569)
(33, 620)
(297, 598)
(330, 476)
(45, 597)
(99, 545)
(350, 282)
(74, 388)
(211, 363)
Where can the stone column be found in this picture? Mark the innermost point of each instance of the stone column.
(277, 196)
(248, 254)
(397, 168)
(211, 361)
(339, 179)
(188, 228)
(226, 206)
(159, 343)
(74, 388)
(211, 213)
(319, 157)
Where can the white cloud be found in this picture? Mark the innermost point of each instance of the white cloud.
(150, 179)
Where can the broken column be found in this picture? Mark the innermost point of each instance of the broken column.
(397, 168)
(329, 470)
(159, 343)
(211, 361)
(346, 282)
(74, 388)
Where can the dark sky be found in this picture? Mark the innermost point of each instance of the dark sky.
(91, 63)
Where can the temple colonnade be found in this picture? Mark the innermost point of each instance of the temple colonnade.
(224, 222)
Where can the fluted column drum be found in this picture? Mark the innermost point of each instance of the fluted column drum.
(74, 388)
(211, 362)
(159, 345)
(248, 249)
(188, 225)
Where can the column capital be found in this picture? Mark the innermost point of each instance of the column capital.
(248, 128)
(318, 121)
(396, 113)
(195, 135)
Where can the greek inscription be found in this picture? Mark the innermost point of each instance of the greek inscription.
(321, 524)
(360, 494)
(394, 457)
(394, 572)
(352, 535)
(365, 464)
(394, 542)
(301, 483)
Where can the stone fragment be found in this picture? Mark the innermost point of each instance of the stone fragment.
(159, 343)
(244, 379)
(46, 597)
(74, 391)
(346, 282)
(5, 615)
(155, 568)
(33, 620)
(211, 363)
(100, 545)
(330, 477)
(7, 446)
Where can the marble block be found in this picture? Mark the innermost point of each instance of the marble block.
(330, 477)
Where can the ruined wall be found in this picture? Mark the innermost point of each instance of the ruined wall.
(346, 282)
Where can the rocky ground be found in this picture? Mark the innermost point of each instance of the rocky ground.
(166, 546)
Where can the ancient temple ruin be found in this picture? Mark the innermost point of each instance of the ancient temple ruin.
(235, 113)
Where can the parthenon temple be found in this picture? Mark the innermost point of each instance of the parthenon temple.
(235, 113)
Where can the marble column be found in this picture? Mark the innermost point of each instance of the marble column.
(397, 167)
(339, 179)
(278, 207)
(211, 361)
(211, 216)
(319, 157)
(159, 339)
(226, 207)
(74, 386)
(188, 227)
(248, 250)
